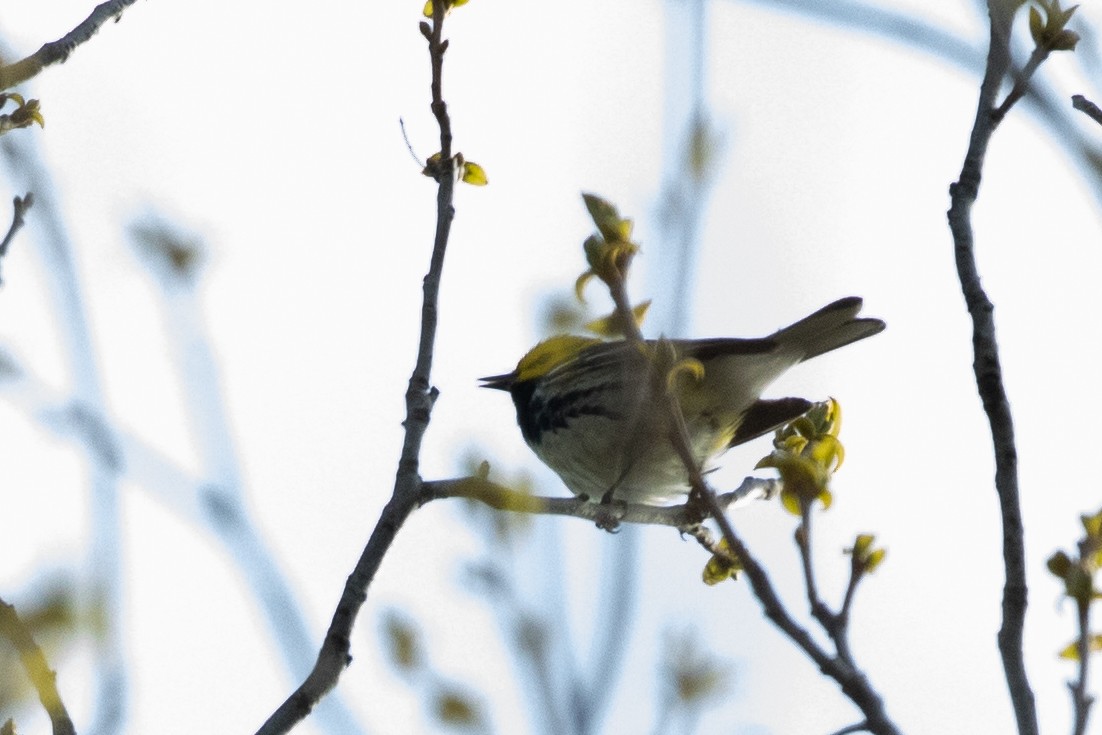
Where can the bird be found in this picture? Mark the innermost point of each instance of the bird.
(592, 412)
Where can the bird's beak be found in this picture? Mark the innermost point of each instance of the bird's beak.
(499, 382)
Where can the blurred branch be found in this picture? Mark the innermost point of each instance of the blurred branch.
(81, 418)
(20, 205)
(451, 704)
(857, 727)
(176, 257)
(889, 23)
(200, 503)
(692, 149)
(987, 367)
(566, 696)
(1089, 55)
(529, 632)
(56, 52)
(691, 677)
(598, 679)
(104, 563)
(37, 668)
(334, 656)
(908, 30)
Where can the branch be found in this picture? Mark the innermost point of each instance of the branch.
(37, 668)
(1084, 105)
(1048, 35)
(836, 624)
(1081, 699)
(334, 655)
(847, 599)
(20, 205)
(988, 370)
(819, 609)
(500, 497)
(611, 268)
(56, 52)
(1021, 82)
(852, 680)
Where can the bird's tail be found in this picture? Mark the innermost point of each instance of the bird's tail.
(835, 325)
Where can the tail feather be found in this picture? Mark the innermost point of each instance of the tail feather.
(766, 415)
(739, 370)
(835, 325)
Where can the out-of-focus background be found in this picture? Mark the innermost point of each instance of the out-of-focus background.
(209, 450)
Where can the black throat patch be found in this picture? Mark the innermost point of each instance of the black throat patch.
(537, 413)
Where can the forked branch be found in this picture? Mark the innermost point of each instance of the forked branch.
(334, 655)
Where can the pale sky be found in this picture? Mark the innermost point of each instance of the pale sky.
(273, 135)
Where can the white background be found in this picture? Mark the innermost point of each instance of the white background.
(271, 131)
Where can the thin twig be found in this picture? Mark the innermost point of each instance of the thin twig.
(618, 291)
(1022, 78)
(20, 205)
(1081, 103)
(409, 145)
(819, 608)
(1081, 700)
(847, 600)
(1080, 697)
(334, 655)
(852, 680)
(38, 670)
(988, 370)
(58, 51)
(836, 624)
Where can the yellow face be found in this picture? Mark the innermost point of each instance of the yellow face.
(551, 353)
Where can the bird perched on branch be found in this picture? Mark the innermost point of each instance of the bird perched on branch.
(598, 412)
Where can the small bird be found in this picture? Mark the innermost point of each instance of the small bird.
(592, 412)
